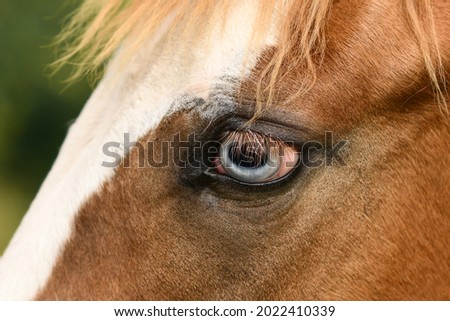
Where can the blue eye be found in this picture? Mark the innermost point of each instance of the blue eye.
(252, 157)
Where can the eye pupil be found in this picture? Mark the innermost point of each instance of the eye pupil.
(248, 154)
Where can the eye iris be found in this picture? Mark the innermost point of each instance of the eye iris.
(248, 154)
(252, 157)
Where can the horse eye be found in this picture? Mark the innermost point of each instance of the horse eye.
(252, 157)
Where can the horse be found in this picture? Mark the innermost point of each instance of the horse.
(244, 150)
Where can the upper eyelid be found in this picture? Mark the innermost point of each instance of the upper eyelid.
(286, 134)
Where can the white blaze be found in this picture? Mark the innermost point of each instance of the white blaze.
(132, 100)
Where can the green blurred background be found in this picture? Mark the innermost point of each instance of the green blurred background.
(35, 109)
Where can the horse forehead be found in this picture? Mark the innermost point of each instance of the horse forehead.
(132, 99)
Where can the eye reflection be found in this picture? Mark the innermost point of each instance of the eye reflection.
(252, 157)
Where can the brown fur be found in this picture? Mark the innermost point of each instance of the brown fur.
(98, 28)
(378, 228)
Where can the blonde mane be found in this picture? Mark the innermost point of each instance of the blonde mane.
(99, 27)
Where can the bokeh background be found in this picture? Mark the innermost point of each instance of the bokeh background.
(35, 109)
